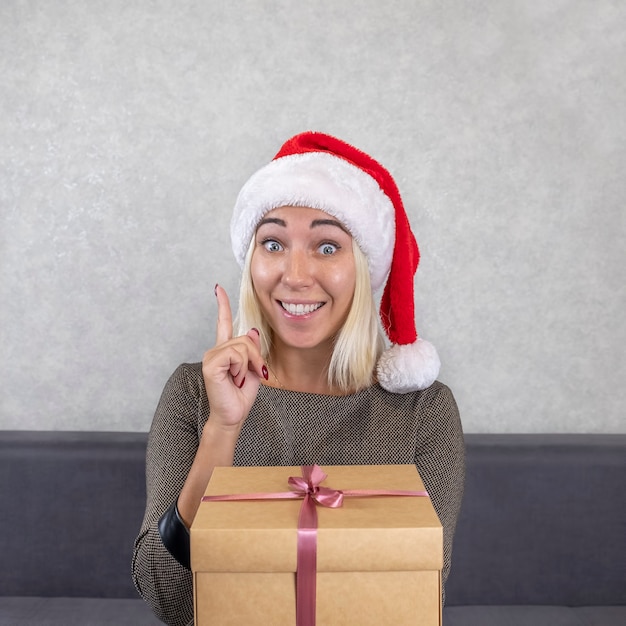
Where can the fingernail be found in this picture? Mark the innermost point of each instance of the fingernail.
(243, 380)
(266, 374)
(256, 330)
(215, 290)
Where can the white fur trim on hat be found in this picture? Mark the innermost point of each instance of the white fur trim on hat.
(320, 180)
(406, 368)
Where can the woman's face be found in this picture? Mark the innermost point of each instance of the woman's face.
(304, 275)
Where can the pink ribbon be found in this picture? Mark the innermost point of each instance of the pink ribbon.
(308, 487)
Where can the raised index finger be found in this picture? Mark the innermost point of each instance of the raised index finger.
(224, 317)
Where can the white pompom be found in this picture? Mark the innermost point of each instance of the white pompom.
(413, 367)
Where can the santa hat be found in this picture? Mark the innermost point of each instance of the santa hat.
(321, 172)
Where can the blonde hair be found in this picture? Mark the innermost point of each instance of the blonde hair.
(358, 344)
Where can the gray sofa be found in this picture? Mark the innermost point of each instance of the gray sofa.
(541, 539)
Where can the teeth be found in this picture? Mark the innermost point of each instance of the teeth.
(300, 309)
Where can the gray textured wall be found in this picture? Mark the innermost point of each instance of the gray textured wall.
(127, 128)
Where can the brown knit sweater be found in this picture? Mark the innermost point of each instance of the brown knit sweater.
(291, 428)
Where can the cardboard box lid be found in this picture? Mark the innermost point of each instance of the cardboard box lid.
(365, 534)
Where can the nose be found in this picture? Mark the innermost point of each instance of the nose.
(297, 271)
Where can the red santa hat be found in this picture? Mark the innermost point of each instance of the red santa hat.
(321, 172)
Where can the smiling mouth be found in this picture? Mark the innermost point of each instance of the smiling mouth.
(300, 309)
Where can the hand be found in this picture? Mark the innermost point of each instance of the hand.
(232, 369)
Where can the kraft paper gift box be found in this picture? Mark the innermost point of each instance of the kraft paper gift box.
(379, 559)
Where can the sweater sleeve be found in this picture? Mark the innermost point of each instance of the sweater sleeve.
(440, 460)
(172, 444)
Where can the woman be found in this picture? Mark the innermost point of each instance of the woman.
(304, 377)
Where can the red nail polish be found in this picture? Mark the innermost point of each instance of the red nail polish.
(256, 330)
(266, 374)
(215, 290)
(243, 380)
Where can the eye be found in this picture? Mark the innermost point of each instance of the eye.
(271, 245)
(328, 248)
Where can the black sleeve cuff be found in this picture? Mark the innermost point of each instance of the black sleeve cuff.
(175, 536)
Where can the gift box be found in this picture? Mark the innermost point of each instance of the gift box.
(378, 559)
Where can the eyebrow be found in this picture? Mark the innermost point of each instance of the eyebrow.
(314, 223)
(271, 220)
(328, 222)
